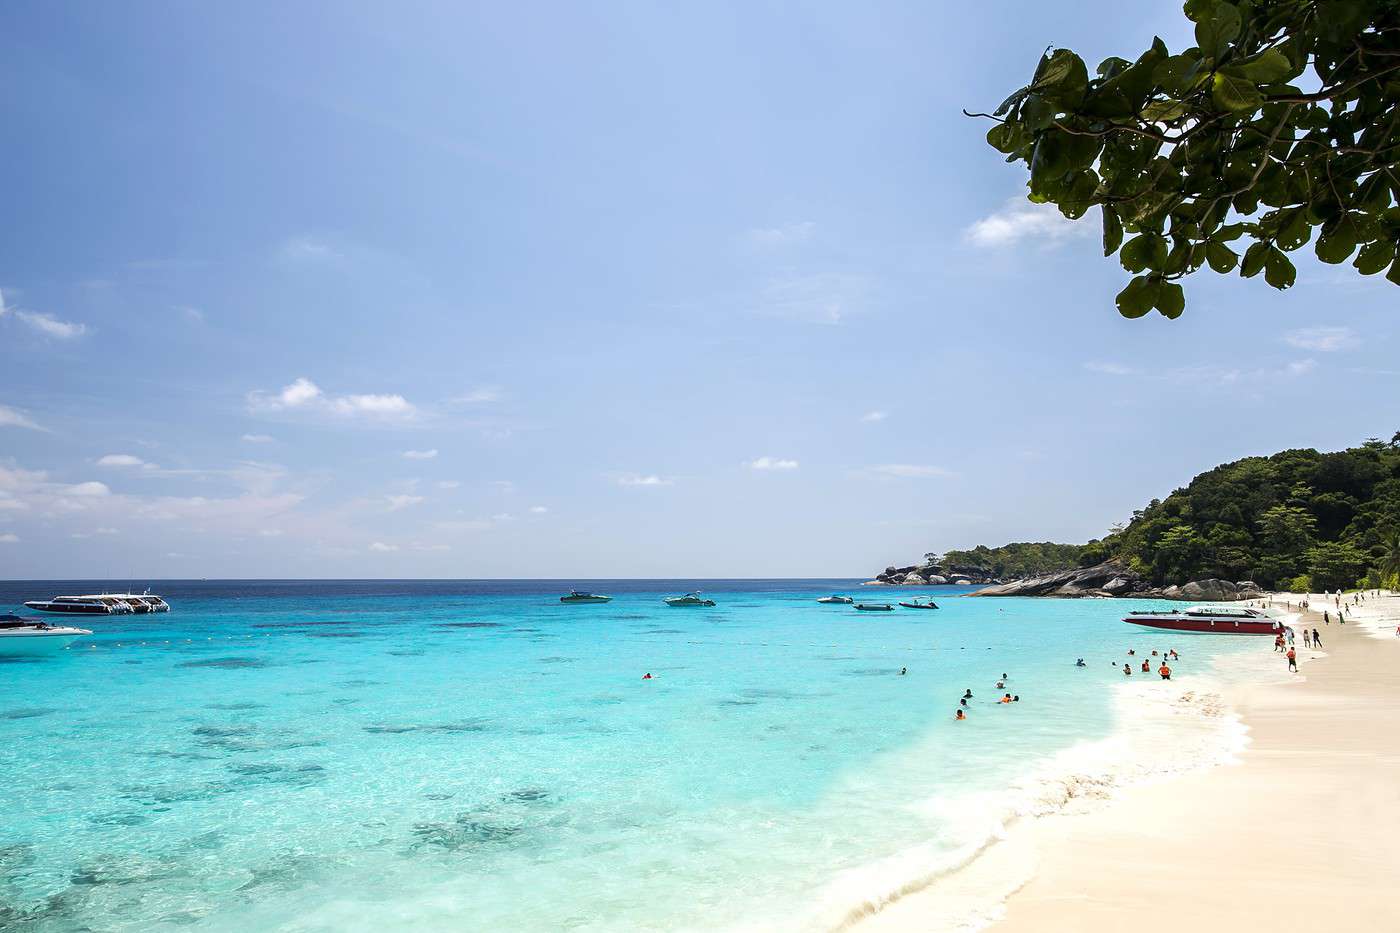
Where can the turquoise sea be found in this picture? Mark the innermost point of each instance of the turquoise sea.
(475, 755)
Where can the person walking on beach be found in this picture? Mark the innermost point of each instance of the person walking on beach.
(1317, 639)
(1326, 617)
(1292, 661)
(1307, 639)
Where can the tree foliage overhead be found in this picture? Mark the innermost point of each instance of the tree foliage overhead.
(1279, 128)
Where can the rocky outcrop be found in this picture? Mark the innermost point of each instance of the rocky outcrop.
(931, 575)
(1113, 578)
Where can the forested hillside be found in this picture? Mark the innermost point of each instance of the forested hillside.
(1299, 519)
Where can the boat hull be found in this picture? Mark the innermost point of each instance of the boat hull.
(585, 599)
(58, 609)
(875, 608)
(917, 606)
(1210, 626)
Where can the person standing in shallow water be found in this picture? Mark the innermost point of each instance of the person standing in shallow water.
(1292, 661)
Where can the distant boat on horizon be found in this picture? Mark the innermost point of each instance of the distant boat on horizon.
(874, 607)
(843, 600)
(100, 604)
(576, 597)
(927, 604)
(689, 599)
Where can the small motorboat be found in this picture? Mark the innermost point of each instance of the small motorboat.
(20, 637)
(97, 604)
(689, 599)
(926, 604)
(874, 607)
(844, 600)
(576, 597)
(1216, 620)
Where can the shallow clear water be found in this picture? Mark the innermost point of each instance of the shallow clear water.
(476, 755)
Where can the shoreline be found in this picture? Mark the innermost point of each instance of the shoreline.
(1262, 835)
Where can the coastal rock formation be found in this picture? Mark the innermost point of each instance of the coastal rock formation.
(1113, 578)
(931, 575)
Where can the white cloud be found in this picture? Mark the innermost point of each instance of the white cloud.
(190, 312)
(270, 532)
(1322, 339)
(383, 548)
(1019, 219)
(538, 509)
(771, 463)
(909, 470)
(10, 418)
(1109, 369)
(3, 310)
(402, 501)
(478, 396)
(8, 538)
(420, 454)
(50, 326)
(448, 484)
(93, 533)
(304, 395)
(773, 237)
(257, 438)
(87, 490)
(125, 460)
(1301, 367)
(637, 479)
(872, 416)
(10, 504)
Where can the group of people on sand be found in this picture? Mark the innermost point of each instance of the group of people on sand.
(961, 712)
(1164, 670)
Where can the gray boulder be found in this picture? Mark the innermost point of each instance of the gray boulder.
(936, 580)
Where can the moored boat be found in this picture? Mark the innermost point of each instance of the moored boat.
(843, 600)
(20, 637)
(874, 607)
(576, 597)
(689, 599)
(916, 604)
(1217, 620)
(143, 602)
(90, 605)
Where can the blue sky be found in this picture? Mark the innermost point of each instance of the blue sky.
(619, 289)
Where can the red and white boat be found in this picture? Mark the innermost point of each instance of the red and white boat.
(1215, 620)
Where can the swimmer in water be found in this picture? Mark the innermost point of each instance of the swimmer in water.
(903, 671)
(1006, 698)
(1001, 685)
(646, 676)
(1016, 698)
(968, 694)
(1080, 663)
(1127, 671)
(960, 715)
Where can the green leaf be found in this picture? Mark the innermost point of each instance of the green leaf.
(1164, 111)
(1079, 196)
(1338, 240)
(1217, 29)
(1062, 77)
(1007, 137)
(1138, 297)
(1265, 68)
(1254, 259)
(1112, 230)
(1235, 94)
(1179, 73)
(1146, 250)
(1221, 258)
(1278, 270)
(1171, 300)
(1374, 257)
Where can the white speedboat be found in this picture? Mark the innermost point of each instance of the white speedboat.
(22, 637)
(842, 600)
(143, 602)
(91, 605)
(576, 597)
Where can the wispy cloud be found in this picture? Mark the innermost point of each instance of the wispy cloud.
(909, 470)
(1301, 367)
(538, 510)
(420, 454)
(306, 249)
(448, 484)
(257, 438)
(382, 548)
(872, 416)
(50, 326)
(1109, 369)
(9, 538)
(80, 535)
(303, 395)
(771, 463)
(125, 460)
(1019, 219)
(784, 235)
(191, 313)
(638, 479)
(402, 501)
(478, 396)
(88, 490)
(13, 418)
(1322, 339)
(814, 298)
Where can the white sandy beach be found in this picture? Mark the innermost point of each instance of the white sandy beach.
(1297, 832)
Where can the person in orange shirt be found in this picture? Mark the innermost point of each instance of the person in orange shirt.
(1165, 671)
(1292, 661)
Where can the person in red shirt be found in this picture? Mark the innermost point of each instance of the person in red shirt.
(1165, 671)
(1292, 660)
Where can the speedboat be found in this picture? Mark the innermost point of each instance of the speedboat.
(20, 637)
(874, 607)
(689, 599)
(926, 604)
(1217, 620)
(576, 597)
(91, 605)
(844, 600)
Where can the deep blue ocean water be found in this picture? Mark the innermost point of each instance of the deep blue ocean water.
(472, 755)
